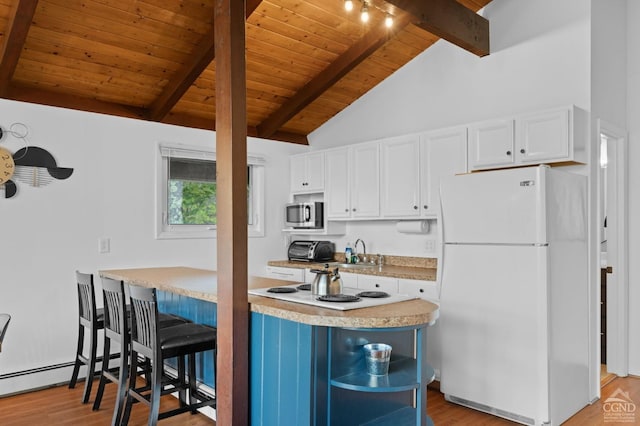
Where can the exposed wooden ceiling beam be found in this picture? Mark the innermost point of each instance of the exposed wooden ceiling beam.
(202, 56)
(63, 100)
(351, 58)
(14, 38)
(209, 124)
(451, 21)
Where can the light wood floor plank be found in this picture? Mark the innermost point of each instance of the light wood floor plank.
(61, 406)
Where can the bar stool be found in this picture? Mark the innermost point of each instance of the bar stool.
(158, 344)
(4, 324)
(117, 329)
(90, 319)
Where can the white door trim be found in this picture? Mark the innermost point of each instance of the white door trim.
(618, 291)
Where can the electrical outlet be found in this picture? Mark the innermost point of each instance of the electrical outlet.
(430, 246)
(104, 245)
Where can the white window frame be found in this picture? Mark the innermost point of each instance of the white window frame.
(166, 231)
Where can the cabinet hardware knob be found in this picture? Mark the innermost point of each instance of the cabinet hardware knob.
(354, 209)
(522, 151)
(425, 207)
(415, 207)
(421, 290)
(346, 210)
(377, 285)
(508, 152)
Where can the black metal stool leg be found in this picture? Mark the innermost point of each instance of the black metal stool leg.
(122, 387)
(154, 397)
(132, 384)
(91, 366)
(103, 379)
(192, 382)
(78, 363)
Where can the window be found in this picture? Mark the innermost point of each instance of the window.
(186, 188)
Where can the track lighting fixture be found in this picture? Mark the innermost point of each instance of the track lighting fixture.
(364, 12)
(348, 5)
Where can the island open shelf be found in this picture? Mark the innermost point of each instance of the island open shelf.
(366, 399)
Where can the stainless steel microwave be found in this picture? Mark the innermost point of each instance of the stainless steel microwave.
(304, 215)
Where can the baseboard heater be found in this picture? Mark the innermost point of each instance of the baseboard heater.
(491, 410)
(35, 370)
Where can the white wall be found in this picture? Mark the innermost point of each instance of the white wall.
(538, 59)
(608, 102)
(633, 126)
(49, 232)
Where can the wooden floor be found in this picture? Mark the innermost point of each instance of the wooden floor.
(61, 406)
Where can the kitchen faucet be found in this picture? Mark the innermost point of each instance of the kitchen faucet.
(364, 250)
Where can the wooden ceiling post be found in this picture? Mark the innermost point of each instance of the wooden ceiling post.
(232, 380)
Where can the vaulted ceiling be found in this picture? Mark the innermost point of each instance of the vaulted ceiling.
(306, 60)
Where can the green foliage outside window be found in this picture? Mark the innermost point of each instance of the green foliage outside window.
(192, 203)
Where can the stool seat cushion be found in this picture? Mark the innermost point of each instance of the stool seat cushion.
(168, 320)
(187, 338)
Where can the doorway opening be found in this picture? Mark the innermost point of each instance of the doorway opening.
(613, 225)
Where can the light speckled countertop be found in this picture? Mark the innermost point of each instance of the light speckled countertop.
(203, 284)
(405, 271)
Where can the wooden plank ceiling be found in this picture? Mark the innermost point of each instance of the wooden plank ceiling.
(154, 59)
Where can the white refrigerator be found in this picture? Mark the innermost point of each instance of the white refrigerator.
(514, 293)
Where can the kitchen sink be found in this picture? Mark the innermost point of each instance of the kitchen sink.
(351, 265)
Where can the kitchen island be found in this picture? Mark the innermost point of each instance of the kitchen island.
(306, 362)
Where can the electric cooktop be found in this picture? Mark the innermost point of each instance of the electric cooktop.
(351, 298)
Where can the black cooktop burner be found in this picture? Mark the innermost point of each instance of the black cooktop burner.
(304, 287)
(373, 294)
(338, 298)
(282, 290)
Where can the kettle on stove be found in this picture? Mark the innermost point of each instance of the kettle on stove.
(326, 282)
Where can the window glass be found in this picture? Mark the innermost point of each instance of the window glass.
(191, 192)
(187, 194)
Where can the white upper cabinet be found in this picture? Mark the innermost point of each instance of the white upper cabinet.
(491, 144)
(400, 176)
(307, 172)
(336, 196)
(365, 193)
(552, 136)
(442, 153)
(412, 167)
(353, 183)
(544, 137)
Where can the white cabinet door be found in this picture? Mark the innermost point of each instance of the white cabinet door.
(315, 171)
(365, 181)
(400, 177)
(543, 137)
(307, 172)
(443, 153)
(427, 290)
(287, 274)
(370, 282)
(298, 172)
(338, 188)
(491, 144)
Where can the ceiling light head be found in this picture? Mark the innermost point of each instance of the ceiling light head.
(364, 12)
(388, 21)
(348, 5)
